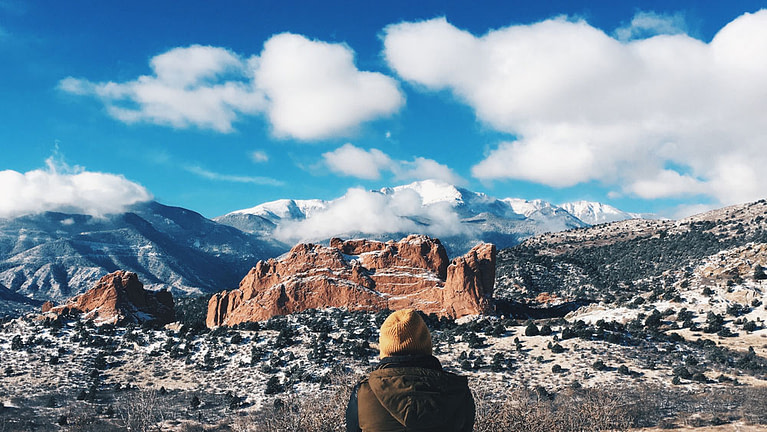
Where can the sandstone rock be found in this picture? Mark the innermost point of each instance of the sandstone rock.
(362, 275)
(119, 297)
(47, 306)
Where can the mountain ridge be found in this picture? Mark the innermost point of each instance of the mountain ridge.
(473, 216)
(52, 256)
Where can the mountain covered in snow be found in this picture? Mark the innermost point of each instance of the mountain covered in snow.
(53, 256)
(457, 216)
(594, 213)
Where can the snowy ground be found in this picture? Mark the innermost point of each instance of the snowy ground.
(46, 369)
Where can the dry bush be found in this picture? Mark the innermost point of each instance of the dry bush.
(753, 407)
(142, 410)
(650, 405)
(569, 411)
(323, 411)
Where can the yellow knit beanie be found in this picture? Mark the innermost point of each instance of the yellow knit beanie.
(404, 332)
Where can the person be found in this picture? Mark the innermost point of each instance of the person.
(408, 390)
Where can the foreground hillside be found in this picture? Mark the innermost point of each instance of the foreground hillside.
(271, 375)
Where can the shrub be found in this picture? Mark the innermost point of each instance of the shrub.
(273, 386)
(545, 330)
(532, 330)
(142, 410)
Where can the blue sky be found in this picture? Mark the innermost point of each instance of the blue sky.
(655, 106)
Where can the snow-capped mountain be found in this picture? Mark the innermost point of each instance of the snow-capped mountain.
(594, 213)
(459, 217)
(285, 208)
(53, 256)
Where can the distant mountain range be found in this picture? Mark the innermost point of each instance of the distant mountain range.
(53, 256)
(459, 217)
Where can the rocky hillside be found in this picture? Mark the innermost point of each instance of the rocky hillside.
(616, 261)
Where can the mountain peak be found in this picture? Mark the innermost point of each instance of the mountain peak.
(432, 191)
(594, 213)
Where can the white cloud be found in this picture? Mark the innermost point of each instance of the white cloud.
(361, 211)
(307, 89)
(667, 184)
(584, 106)
(64, 189)
(315, 90)
(259, 156)
(198, 86)
(353, 161)
(425, 169)
(212, 175)
(648, 24)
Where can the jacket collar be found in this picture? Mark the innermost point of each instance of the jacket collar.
(418, 360)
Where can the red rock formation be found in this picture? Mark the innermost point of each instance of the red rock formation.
(119, 297)
(362, 275)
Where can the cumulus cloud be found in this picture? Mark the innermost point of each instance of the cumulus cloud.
(360, 211)
(198, 86)
(586, 106)
(307, 89)
(315, 90)
(667, 184)
(424, 169)
(352, 161)
(64, 189)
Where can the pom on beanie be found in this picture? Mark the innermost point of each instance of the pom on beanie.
(404, 332)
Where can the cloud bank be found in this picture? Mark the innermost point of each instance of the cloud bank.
(372, 212)
(585, 106)
(352, 161)
(307, 89)
(69, 190)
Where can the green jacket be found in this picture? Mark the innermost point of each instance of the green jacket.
(411, 394)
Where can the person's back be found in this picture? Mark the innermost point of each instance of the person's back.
(409, 391)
